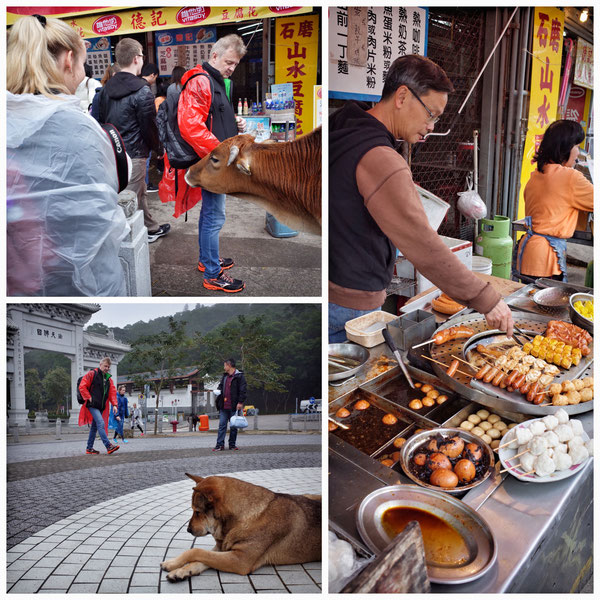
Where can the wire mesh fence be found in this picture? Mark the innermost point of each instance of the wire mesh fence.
(442, 163)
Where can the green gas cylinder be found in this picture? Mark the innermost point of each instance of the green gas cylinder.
(495, 243)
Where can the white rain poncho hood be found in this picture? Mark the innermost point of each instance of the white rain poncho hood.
(64, 224)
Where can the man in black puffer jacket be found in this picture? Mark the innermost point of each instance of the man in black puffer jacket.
(231, 396)
(128, 103)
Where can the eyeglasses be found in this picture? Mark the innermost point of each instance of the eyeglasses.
(432, 118)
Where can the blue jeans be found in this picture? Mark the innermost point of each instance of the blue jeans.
(224, 415)
(97, 426)
(338, 315)
(119, 428)
(212, 219)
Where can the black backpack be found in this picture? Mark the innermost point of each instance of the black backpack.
(80, 399)
(180, 154)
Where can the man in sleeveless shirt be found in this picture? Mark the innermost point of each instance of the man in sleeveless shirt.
(374, 206)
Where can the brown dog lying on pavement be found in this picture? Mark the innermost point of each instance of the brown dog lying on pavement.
(252, 527)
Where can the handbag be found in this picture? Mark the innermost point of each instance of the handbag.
(238, 420)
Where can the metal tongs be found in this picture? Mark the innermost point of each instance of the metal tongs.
(390, 342)
(526, 336)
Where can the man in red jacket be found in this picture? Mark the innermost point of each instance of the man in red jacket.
(98, 391)
(206, 117)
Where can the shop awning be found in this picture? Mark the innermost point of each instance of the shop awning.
(123, 21)
(59, 12)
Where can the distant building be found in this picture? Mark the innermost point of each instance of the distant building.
(187, 392)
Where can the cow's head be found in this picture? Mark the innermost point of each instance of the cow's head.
(218, 170)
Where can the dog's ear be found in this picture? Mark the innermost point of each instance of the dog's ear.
(196, 478)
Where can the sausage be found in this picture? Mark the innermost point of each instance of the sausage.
(483, 371)
(519, 381)
(446, 306)
(498, 378)
(510, 388)
(503, 383)
(539, 396)
(511, 377)
(452, 333)
(488, 351)
(452, 368)
(532, 391)
(487, 378)
(524, 389)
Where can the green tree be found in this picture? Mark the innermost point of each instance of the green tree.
(57, 385)
(160, 361)
(245, 339)
(100, 328)
(34, 397)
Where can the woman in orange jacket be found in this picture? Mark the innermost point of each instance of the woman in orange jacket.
(556, 195)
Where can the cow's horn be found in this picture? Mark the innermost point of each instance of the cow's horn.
(233, 154)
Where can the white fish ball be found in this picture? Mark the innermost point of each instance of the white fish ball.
(537, 428)
(564, 433)
(575, 441)
(578, 454)
(523, 435)
(550, 421)
(576, 426)
(562, 415)
(527, 462)
(589, 446)
(562, 461)
(544, 466)
(561, 448)
(538, 445)
(551, 439)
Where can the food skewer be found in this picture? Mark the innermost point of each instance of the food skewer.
(464, 361)
(339, 424)
(423, 344)
(446, 366)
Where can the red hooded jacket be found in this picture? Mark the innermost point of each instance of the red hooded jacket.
(85, 417)
(194, 106)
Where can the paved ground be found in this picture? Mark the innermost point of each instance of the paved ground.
(269, 266)
(80, 523)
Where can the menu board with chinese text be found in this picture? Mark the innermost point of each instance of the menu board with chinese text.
(183, 47)
(390, 32)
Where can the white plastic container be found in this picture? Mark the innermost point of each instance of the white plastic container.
(366, 330)
(435, 208)
(481, 264)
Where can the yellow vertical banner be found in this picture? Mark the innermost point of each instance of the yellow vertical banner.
(548, 25)
(296, 56)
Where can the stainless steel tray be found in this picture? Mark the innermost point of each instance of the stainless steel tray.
(495, 397)
(472, 527)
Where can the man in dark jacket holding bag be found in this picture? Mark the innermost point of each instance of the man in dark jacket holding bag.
(128, 103)
(231, 397)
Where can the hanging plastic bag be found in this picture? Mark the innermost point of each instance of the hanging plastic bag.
(470, 203)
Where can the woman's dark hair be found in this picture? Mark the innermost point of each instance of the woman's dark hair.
(177, 75)
(161, 87)
(418, 73)
(89, 72)
(557, 143)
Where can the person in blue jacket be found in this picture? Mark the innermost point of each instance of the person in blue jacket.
(122, 413)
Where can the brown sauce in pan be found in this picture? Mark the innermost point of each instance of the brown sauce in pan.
(444, 546)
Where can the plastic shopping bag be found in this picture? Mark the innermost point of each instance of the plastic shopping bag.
(470, 203)
(238, 420)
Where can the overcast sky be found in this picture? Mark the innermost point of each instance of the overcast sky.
(121, 314)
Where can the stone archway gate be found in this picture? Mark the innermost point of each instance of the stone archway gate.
(56, 328)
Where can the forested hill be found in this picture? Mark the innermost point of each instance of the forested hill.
(198, 319)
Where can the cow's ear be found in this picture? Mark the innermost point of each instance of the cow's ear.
(243, 164)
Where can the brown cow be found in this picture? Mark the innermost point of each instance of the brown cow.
(284, 178)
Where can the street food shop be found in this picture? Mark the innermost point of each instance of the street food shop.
(460, 459)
